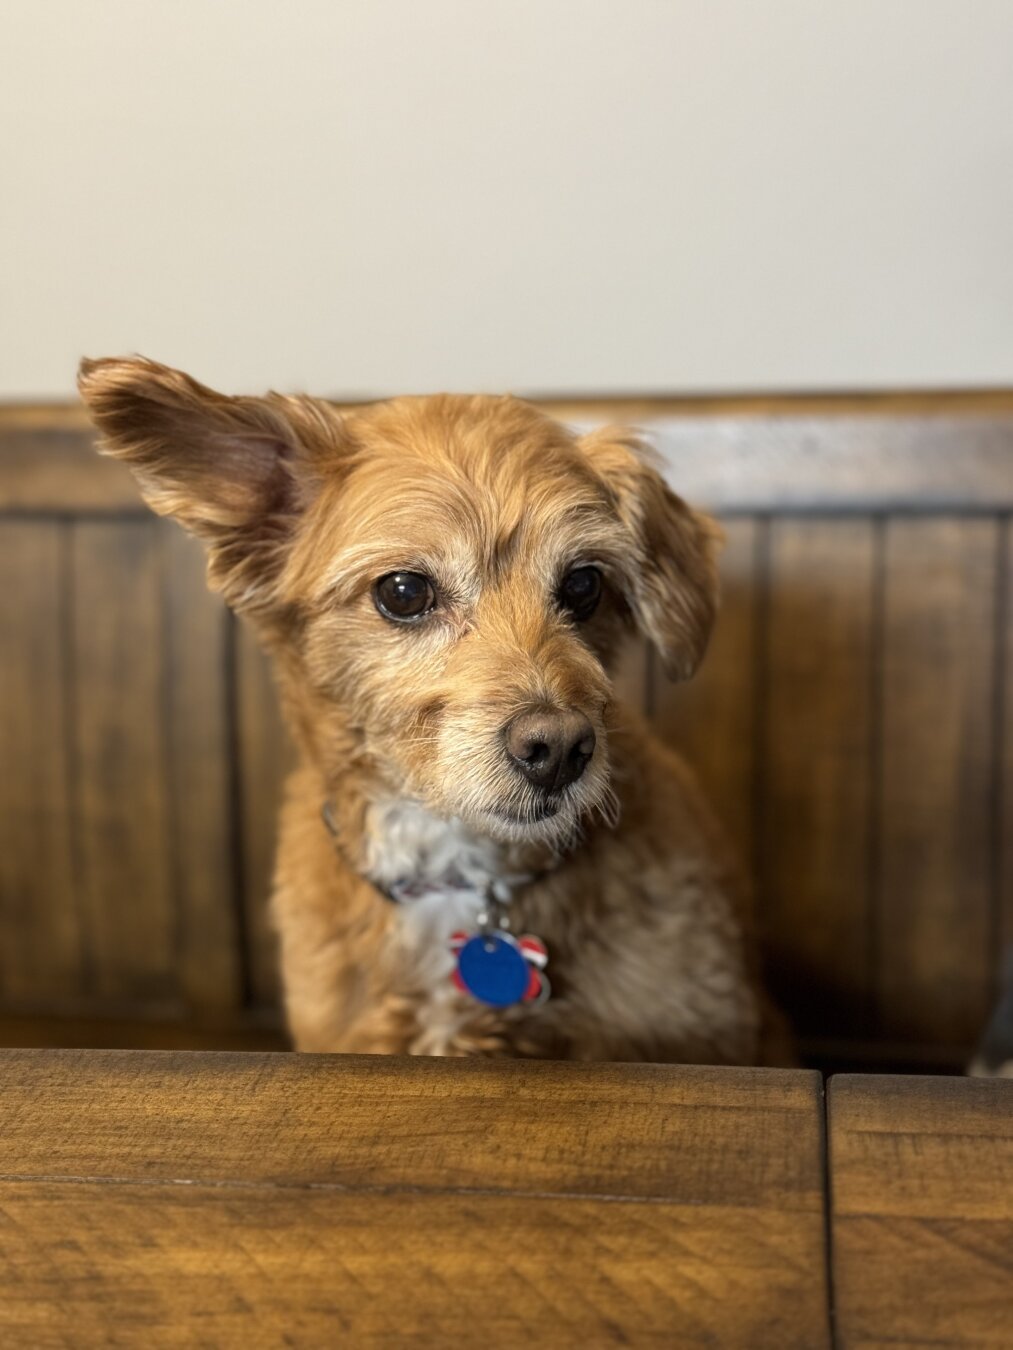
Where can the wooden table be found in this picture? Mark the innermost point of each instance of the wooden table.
(266, 1200)
(184, 1199)
(922, 1180)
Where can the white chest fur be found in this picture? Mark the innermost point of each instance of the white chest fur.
(450, 870)
(408, 844)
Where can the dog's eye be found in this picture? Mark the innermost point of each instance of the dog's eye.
(580, 591)
(404, 596)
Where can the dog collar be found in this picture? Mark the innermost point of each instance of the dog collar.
(327, 816)
(404, 891)
(490, 964)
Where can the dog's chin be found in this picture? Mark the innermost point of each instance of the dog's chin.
(553, 821)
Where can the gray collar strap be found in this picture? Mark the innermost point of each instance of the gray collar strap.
(406, 890)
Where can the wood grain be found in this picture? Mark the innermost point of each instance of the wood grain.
(40, 928)
(263, 758)
(161, 1265)
(199, 778)
(408, 1201)
(1003, 787)
(922, 1187)
(857, 461)
(48, 463)
(121, 757)
(935, 875)
(816, 757)
(712, 718)
(244, 1029)
(513, 1125)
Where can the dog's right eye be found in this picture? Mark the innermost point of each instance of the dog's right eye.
(404, 596)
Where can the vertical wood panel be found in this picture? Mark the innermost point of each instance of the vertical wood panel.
(120, 739)
(1004, 732)
(711, 719)
(935, 883)
(200, 779)
(40, 934)
(264, 756)
(816, 776)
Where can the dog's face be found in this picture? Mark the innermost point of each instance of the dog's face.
(446, 578)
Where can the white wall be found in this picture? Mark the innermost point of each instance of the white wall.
(366, 196)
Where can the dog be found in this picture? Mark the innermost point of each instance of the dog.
(480, 852)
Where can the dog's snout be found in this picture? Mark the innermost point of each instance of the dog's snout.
(550, 748)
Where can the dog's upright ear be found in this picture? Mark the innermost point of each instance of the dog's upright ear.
(234, 471)
(673, 551)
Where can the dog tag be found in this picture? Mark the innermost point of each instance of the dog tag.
(499, 969)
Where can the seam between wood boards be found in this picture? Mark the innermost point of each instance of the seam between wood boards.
(997, 786)
(236, 823)
(872, 1012)
(760, 699)
(68, 535)
(385, 1095)
(777, 1204)
(828, 1213)
(170, 766)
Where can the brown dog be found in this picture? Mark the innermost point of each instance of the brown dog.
(443, 584)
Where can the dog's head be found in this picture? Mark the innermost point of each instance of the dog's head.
(446, 579)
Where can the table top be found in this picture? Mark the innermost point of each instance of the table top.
(182, 1198)
(922, 1180)
(282, 1200)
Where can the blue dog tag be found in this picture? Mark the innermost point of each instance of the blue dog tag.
(492, 968)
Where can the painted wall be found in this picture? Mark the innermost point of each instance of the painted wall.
(368, 196)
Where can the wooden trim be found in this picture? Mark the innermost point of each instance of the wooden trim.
(918, 402)
(900, 402)
(50, 466)
(844, 464)
(834, 453)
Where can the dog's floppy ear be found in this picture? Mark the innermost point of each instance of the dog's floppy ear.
(234, 471)
(673, 551)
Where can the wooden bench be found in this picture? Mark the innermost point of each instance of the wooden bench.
(852, 724)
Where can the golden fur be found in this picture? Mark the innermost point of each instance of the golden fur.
(401, 727)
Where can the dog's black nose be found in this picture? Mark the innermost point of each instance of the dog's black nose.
(550, 748)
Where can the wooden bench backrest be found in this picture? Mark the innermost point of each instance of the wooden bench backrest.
(853, 722)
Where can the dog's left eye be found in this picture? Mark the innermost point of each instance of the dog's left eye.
(404, 596)
(580, 591)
